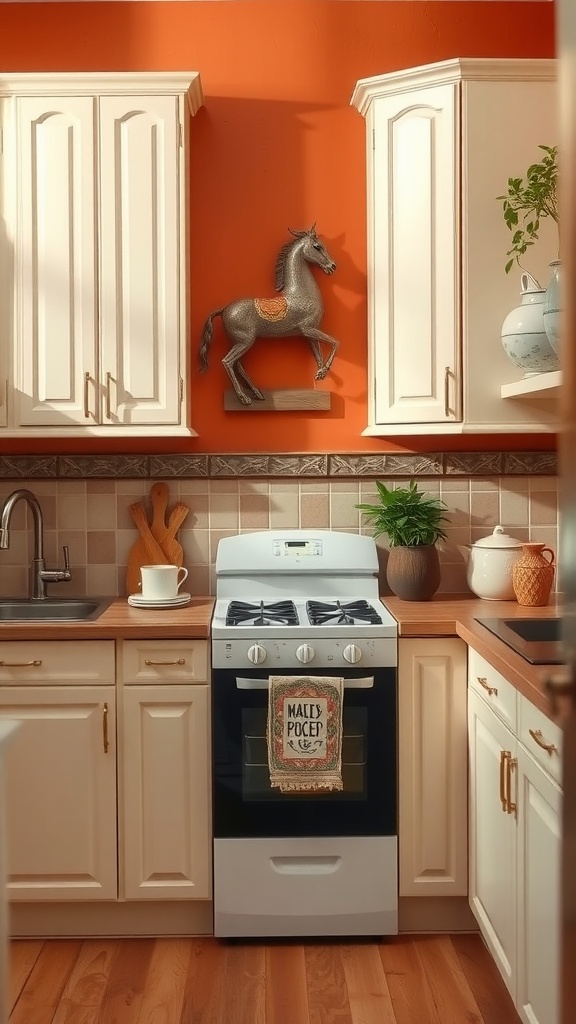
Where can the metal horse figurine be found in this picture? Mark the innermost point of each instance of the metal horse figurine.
(297, 310)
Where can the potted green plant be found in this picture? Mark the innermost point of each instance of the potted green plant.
(413, 524)
(528, 201)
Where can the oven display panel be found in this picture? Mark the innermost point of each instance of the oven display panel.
(295, 548)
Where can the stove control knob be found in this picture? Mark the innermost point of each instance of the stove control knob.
(256, 654)
(305, 653)
(352, 654)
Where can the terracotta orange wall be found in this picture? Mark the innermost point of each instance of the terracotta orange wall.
(277, 145)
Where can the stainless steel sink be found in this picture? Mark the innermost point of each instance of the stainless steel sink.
(538, 641)
(52, 609)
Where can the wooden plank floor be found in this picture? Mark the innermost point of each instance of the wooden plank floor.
(447, 979)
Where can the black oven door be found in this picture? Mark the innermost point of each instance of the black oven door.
(245, 805)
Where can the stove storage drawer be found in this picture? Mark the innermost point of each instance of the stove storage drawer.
(309, 886)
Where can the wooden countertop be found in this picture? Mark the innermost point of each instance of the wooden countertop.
(455, 615)
(122, 622)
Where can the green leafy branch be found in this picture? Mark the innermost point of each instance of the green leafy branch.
(528, 201)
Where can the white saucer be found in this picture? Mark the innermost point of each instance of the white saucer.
(137, 601)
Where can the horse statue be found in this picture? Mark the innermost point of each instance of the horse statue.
(297, 310)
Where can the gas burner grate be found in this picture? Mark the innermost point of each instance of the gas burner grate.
(335, 613)
(282, 613)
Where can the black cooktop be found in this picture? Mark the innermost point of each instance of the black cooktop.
(536, 640)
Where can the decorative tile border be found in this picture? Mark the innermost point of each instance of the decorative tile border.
(331, 466)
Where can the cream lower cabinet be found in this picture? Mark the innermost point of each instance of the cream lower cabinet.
(515, 840)
(433, 850)
(60, 770)
(95, 256)
(437, 157)
(165, 771)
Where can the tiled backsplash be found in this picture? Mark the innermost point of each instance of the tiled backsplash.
(92, 517)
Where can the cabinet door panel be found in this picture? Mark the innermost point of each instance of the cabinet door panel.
(140, 273)
(61, 793)
(55, 262)
(415, 258)
(539, 828)
(433, 758)
(492, 838)
(166, 787)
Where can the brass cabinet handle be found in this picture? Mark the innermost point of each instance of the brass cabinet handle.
(491, 690)
(20, 664)
(447, 372)
(181, 661)
(511, 764)
(503, 797)
(86, 386)
(107, 388)
(105, 727)
(536, 735)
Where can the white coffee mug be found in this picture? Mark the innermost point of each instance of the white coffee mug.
(161, 582)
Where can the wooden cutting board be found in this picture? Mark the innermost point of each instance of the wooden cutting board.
(156, 543)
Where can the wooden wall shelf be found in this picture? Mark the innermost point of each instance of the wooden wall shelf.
(281, 401)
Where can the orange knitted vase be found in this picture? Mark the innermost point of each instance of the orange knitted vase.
(533, 575)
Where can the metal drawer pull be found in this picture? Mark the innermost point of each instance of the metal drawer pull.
(511, 763)
(536, 735)
(181, 661)
(86, 386)
(20, 664)
(107, 395)
(503, 754)
(447, 391)
(492, 690)
(364, 683)
(105, 728)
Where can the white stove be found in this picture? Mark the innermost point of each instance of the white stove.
(297, 597)
(303, 602)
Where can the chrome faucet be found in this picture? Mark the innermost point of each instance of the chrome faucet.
(40, 574)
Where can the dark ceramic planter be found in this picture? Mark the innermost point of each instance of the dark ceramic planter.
(413, 573)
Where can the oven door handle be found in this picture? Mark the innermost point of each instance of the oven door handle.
(363, 683)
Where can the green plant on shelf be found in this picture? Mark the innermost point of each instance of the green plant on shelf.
(528, 201)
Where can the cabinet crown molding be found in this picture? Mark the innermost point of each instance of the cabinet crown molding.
(455, 70)
(104, 84)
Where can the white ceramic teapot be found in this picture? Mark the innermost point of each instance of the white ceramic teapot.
(490, 562)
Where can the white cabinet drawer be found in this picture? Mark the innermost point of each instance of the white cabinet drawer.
(494, 688)
(83, 662)
(156, 661)
(541, 737)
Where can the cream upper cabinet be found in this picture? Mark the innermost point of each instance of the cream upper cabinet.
(96, 249)
(433, 823)
(442, 141)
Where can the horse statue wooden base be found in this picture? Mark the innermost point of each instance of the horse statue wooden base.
(297, 310)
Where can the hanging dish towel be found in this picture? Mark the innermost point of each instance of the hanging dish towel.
(304, 732)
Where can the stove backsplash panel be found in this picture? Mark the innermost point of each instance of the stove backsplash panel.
(92, 516)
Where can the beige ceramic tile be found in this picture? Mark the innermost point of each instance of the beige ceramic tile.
(453, 579)
(543, 508)
(516, 483)
(215, 537)
(457, 508)
(101, 580)
(124, 541)
(75, 588)
(543, 483)
(66, 488)
(545, 535)
(284, 510)
(71, 512)
(196, 546)
(254, 511)
(253, 487)
(345, 487)
(447, 485)
(191, 489)
(198, 516)
(343, 514)
(313, 486)
(513, 508)
(223, 511)
(314, 511)
(76, 541)
(101, 511)
(488, 483)
(13, 580)
(101, 547)
(485, 509)
(198, 582)
(283, 487)
(20, 551)
(101, 487)
(134, 488)
(223, 487)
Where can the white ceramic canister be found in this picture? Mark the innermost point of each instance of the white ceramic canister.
(490, 564)
(524, 337)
